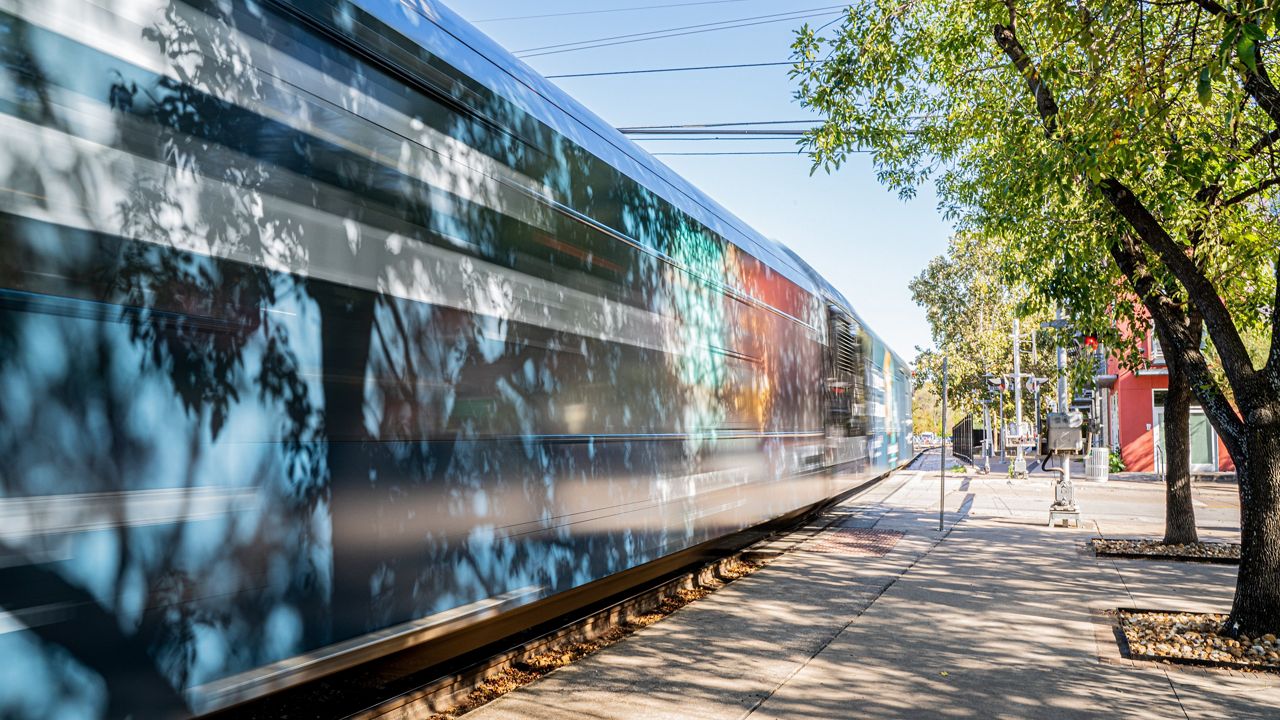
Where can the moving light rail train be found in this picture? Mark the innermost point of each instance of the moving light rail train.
(329, 330)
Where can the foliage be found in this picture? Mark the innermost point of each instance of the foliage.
(926, 409)
(1021, 114)
(1116, 462)
(1090, 143)
(971, 309)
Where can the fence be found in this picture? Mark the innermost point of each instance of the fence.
(962, 439)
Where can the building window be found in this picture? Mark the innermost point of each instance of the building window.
(1157, 353)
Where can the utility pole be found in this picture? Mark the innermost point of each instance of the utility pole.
(1033, 384)
(1062, 365)
(1019, 461)
(942, 466)
(1003, 439)
(986, 434)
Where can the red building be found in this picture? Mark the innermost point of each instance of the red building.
(1132, 405)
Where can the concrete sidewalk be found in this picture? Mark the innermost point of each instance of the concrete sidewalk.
(998, 616)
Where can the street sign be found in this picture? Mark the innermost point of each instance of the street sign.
(1056, 324)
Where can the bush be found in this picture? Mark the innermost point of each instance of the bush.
(1117, 462)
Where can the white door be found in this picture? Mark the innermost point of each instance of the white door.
(1203, 440)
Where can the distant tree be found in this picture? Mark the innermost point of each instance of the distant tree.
(971, 311)
(926, 410)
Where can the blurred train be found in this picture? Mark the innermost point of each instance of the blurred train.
(328, 329)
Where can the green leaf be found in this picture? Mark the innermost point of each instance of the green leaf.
(1203, 86)
(1246, 50)
(1254, 32)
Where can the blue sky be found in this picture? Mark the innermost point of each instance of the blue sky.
(868, 243)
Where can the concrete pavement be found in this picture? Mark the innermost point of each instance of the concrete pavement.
(882, 616)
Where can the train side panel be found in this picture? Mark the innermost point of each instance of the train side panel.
(296, 354)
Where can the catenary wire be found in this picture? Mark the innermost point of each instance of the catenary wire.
(608, 10)
(671, 32)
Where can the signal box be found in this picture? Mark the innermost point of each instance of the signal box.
(1066, 432)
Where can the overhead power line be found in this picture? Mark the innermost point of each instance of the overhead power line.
(678, 31)
(727, 131)
(751, 152)
(714, 139)
(609, 10)
(695, 126)
(679, 69)
(731, 152)
(679, 27)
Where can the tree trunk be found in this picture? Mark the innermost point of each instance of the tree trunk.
(1256, 608)
(1179, 513)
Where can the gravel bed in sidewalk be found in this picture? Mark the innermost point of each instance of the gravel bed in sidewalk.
(1214, 552)
(1193, 638)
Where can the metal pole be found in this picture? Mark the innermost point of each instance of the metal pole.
(1062, 372)
(1096, 405)
(1017, 377)
(986, 439)
(942, 466)
(1037, 402)
(1020, 461)
(1000, 429)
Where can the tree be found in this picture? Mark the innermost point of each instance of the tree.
(971, 309)
(1140, 132)
(926, 409)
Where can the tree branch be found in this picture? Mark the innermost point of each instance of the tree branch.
(1258, 84)
(1261, 89)
(1273, 358)
(1046, 106)
(1179, 335)
(1213, 7)
(1250, 192)
(1263, 143)
(1217, 319)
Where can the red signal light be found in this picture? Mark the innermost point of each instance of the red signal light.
(1091, 342)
